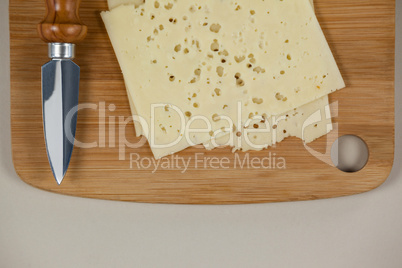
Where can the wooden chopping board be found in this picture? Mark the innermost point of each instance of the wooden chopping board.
(361, 34)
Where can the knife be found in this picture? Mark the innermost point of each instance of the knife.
(61, 29)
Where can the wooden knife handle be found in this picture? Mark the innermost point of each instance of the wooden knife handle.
(62, 23)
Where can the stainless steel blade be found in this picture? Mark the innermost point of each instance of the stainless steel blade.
(60, 88)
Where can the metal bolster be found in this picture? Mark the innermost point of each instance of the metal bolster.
(61, 51)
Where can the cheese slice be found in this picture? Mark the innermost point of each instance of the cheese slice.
(308, 122)
(201, 64)
(291, 126)
(115, 3)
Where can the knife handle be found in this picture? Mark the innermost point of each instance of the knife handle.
(62, 23)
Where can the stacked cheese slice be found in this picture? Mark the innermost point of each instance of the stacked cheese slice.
(219, 72)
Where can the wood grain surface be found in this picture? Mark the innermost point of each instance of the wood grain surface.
(361, 34)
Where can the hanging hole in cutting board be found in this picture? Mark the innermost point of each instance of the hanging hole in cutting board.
(349, 153)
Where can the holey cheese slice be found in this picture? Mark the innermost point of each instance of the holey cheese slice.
(138, 129)
(115, 3)
(307, 122)
(198, 63)
(259, 140)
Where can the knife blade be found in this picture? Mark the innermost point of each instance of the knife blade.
(61, 29)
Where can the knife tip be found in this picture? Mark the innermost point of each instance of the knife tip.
(58, 174)
(59, 178)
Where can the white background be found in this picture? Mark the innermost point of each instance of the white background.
(40, 229)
